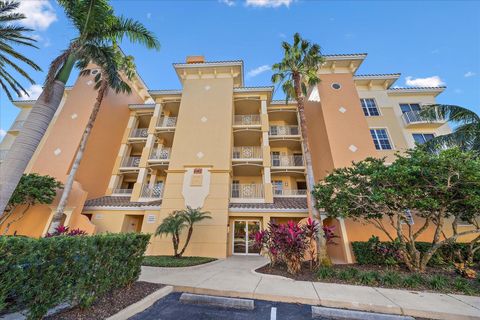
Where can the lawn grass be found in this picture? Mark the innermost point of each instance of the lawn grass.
(172, 262)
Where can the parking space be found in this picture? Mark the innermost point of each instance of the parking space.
(170, 308)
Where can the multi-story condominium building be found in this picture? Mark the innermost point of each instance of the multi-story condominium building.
(221, 146)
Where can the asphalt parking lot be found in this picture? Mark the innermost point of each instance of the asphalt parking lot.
(170, 308)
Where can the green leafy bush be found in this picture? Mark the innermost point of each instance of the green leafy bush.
(392, 278)
(438, 282)
(41, 273)
(326, 272)
(413, 281)
(367, 252)
(369, 278)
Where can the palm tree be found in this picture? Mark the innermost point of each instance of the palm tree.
(173, 224)
(113, 65)
(297, 72)
(96, 25)
(13, 34)
(466, 133)
(191, 217)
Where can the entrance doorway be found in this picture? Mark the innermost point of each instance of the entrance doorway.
(244, 236)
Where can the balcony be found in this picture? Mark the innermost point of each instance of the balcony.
(3, 155)
(122, 192)
(17, 125)
(155, 192)
(246, 120)
(414, 118)
(139, 133)
(278, 193)
(166, 122)
(278, 131)
(130, 162)
(160, 154)
(246, 192)
(287, 161)
(247, 153)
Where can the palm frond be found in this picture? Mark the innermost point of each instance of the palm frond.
(135, 31)
(450, 112)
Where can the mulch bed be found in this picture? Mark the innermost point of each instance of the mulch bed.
(311, 275)
(111, 303)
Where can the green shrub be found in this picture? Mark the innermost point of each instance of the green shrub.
(348, 274)
(463, 285)
(366, 252)
(438, 282)
(41, 273)
(369, 278)
(392, 278)
(326, 272)
(413, 281)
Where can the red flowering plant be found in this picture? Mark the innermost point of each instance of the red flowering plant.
(311, 229)
(65, 231)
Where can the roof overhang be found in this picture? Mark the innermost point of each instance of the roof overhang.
(346, 61)
(369, 80)
(213, 68)
(435, 91)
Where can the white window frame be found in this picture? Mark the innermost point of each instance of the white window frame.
(409, 103)
(376, 106)
(389, 136)
(423, 134)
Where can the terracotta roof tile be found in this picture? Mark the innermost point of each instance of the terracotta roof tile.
(119, 201)
(278, 204)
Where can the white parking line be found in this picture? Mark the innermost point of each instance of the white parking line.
(273, 313)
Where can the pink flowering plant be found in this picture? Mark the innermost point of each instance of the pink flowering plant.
(65, 231)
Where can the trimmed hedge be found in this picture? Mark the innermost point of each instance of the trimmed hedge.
(364, 253)
(38, 274)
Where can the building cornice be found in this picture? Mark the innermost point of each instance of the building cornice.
(412, 90)
(165, 92)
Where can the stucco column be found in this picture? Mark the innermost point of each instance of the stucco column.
(137, 188)
(267, 179)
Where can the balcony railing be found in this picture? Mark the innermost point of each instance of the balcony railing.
(246, 120)
(167, 122)
(139, 133)
(3, 155)
(155, 192)
(247, 152)
(413, 117)
(287, 161)
(121, 191)
(131, 162)
(284, 131)
(160, 154)
(289, 192)
(247, 191)
(17, 125)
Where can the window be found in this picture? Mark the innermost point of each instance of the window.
(407, 107)
(277, 187)
(380, 139)
(275, 158)
(336, 86)
(369, 107)
(235, 189)
(421, 138)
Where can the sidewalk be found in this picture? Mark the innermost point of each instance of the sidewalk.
(234, 277)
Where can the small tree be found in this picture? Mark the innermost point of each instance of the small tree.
(176, 222)
(441, 188)
(33, 189)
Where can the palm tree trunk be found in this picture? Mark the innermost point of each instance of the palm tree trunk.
(189, 236)
(31, 134)
(322, 255)
(57, 217)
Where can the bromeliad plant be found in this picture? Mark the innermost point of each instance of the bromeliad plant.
(291, 243)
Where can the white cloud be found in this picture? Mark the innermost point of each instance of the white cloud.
(255, 72)
(2, 133)
(469, 74)
(39, 14)
(268, 3)
(433, 81)
(229, 3)
(33, 92)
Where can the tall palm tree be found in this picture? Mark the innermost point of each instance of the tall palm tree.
(96, 25)
(12, 34)
(191, 217)
(113, 67)
(297, 72)
(466, 133)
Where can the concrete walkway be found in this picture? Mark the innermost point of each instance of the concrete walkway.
(235, 277)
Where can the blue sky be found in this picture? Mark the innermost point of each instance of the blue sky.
(430, 43)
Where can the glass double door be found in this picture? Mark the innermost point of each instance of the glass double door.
(244, 236)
